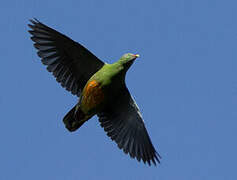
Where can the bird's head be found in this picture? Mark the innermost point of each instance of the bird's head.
(127, 60)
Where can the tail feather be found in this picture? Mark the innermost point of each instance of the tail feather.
(74, 119)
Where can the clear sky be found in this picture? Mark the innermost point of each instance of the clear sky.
(184, 83)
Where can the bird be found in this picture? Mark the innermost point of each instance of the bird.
(101, 90)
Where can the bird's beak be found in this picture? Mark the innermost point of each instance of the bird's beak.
(136, 55)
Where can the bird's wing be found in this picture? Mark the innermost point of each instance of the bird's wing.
(71, 63)
(123, 123)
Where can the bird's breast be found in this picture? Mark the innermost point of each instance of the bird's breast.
(92, 96)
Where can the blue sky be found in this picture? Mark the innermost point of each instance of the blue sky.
(184, 83)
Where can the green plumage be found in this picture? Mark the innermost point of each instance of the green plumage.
(112, 76)
(101, 90)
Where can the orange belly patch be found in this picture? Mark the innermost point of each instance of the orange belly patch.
(92, 96)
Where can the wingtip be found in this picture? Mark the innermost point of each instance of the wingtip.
(149, 162)
(155, 160)
(34, 21)
(159, 156)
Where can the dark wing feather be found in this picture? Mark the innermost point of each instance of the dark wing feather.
(71, 63)
(123, 123)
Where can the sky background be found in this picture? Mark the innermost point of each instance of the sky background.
(184, 83)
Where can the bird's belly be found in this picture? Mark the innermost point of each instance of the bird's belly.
(92, 98)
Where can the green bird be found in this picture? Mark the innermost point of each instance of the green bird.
(101, 89)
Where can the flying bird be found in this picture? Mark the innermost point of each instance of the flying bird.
(101, 89)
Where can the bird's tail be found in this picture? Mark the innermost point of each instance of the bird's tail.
(74, 118)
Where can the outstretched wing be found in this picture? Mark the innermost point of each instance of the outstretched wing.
(71, 63)
(123, 123)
